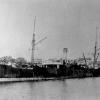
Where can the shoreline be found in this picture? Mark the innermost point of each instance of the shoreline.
(6, 80)
(10, 80)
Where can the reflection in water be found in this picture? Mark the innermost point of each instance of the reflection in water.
(69, 89)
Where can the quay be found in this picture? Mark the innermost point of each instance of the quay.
(7, 80)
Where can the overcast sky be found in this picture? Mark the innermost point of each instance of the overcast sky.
(66, 23)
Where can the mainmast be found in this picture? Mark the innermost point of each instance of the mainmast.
(33, 43)
(95, 50)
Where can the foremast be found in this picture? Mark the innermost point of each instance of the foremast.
(33, 44)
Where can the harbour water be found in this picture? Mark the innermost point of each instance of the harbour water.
(69, 89)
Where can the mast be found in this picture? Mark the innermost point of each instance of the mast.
(95, 50)
(33, 43)
(85, 59)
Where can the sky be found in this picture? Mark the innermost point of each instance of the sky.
(66, 24)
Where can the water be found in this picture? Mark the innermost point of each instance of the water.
(69, 89)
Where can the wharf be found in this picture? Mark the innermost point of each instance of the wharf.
(4, 80)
